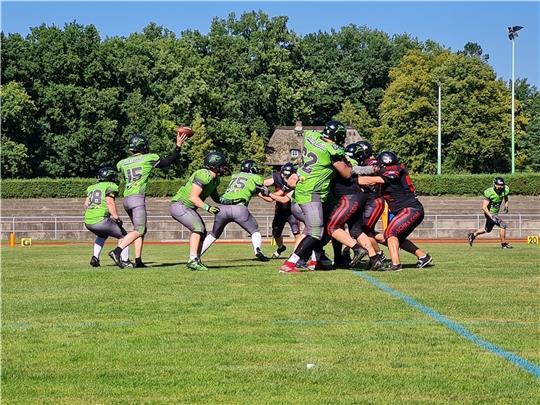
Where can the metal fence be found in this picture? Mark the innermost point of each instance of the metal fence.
(163, 227)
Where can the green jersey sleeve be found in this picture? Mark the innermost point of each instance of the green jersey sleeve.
(203, 179)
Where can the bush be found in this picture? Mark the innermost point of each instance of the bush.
(74, 188)
(473, 184)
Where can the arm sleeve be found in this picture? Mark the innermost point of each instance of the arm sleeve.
(167, 161)
(363, 170)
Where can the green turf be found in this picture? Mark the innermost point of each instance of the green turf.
(242, 333)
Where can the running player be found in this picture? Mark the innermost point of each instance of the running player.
(322, 156)
(101, 217)
(398, 191)
(136, 170)
(493, 198)
(282, 212)
(233, 208)
(202, 184)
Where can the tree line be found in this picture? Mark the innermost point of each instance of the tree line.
(71, 99)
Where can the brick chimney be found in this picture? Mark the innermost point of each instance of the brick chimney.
(298, 128)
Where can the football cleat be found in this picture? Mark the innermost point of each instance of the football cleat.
(288, 267)
(128, 263)
(375, 263)
(393, 267)
(471, 238)
(424, 261)
(196, 265)
(506, 246)
(94, 261)
(261, 256)
(278, 252)
(324, 262)
(358, 254)
(116, 258)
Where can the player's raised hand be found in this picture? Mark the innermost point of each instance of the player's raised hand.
(182, 134)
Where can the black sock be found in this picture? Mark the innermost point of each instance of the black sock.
(356, 246)
(117, 250)
(138, 260)
(306, 246)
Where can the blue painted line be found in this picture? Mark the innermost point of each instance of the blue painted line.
(484, 344)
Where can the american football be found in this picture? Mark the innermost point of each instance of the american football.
(185, 131)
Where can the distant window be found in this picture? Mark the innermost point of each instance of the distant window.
(295, 153)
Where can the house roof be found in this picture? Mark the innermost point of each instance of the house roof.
(286, 138)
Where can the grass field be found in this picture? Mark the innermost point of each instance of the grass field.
(242, 333)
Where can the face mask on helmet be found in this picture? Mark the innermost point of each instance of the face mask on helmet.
(287, 170)
(498, 183)
(249, 166)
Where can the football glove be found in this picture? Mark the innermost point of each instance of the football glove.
(213, 210)
(263, 190)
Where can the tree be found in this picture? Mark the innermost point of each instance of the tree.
(254, 149)
(17, 125)
(358, 119)
(198, 145)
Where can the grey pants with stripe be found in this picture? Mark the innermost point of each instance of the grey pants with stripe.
(106, 228)
(135, 206)
(234, 213)
(314, 219)
(188, 217)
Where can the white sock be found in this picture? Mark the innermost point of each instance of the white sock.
(316, 256)
(207, 243)
(256, 240)
(125, 254)
(98, 245)
(193, 258)
(294, 258)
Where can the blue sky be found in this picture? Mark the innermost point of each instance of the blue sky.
(451, 24)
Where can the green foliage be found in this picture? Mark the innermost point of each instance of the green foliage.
(357, 118)
(71, 100)
(254, 149)
(455, 184)
(475, 114)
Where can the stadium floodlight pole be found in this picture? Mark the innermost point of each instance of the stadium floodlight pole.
(512, 34)
(439, 134)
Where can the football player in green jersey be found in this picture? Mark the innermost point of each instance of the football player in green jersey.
(493, 198)
(202, 184)
(242, 187)
(136, 170)
(323, 156)
(101, 217)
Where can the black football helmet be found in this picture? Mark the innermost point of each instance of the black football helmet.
(335, 131)
(367, 150)
(287, 170)
(217, 162)
(498, 184)
(354, 151)
(138, 143)
(249, 166)
(387, 158)
(107, 173)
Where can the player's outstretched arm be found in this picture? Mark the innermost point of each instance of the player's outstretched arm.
(370, 180)
(343, 168)
(167, 161)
